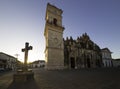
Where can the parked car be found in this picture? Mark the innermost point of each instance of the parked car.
(2, 69)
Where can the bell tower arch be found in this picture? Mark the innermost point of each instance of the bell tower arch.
(54, 50)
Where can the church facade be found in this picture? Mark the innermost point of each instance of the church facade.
(82, 53)
(68, 53)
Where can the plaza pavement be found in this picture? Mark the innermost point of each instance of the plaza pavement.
(105, 78)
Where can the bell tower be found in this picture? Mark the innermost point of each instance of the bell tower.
(54, 51)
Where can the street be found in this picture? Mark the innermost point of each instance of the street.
(104, 78)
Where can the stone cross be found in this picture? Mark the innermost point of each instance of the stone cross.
(26, 49)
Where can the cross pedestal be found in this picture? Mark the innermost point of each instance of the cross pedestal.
(24, 74)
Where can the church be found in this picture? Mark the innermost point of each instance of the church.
(82, 53)
(67, 53)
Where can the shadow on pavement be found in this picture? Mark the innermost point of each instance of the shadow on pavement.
(24, 85)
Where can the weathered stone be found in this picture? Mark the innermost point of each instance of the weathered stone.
(54, 52)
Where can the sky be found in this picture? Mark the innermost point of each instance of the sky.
(24, 21)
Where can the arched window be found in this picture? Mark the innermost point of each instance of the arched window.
(55, 21)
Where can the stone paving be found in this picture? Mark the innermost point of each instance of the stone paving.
(108, 78)
(5, 79)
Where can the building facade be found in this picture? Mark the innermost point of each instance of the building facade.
(116, 62)
(37, 64)
(106, 57)
(82, 53)
(7, 61)
(69, 53)
(54, 50)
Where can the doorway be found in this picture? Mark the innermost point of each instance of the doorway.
(72, 61)
(88, 63)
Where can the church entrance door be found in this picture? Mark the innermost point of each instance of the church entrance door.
(72, 60)
(88, 62)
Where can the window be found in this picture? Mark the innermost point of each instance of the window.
(55, 21)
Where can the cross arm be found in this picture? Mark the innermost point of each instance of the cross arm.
(30, 48)
(23, 50)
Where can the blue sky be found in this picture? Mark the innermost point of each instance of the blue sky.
(24, 21)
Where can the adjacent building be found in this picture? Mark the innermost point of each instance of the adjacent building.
(106, 57)
(116, 62)
(37, 64)
(7, 61)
